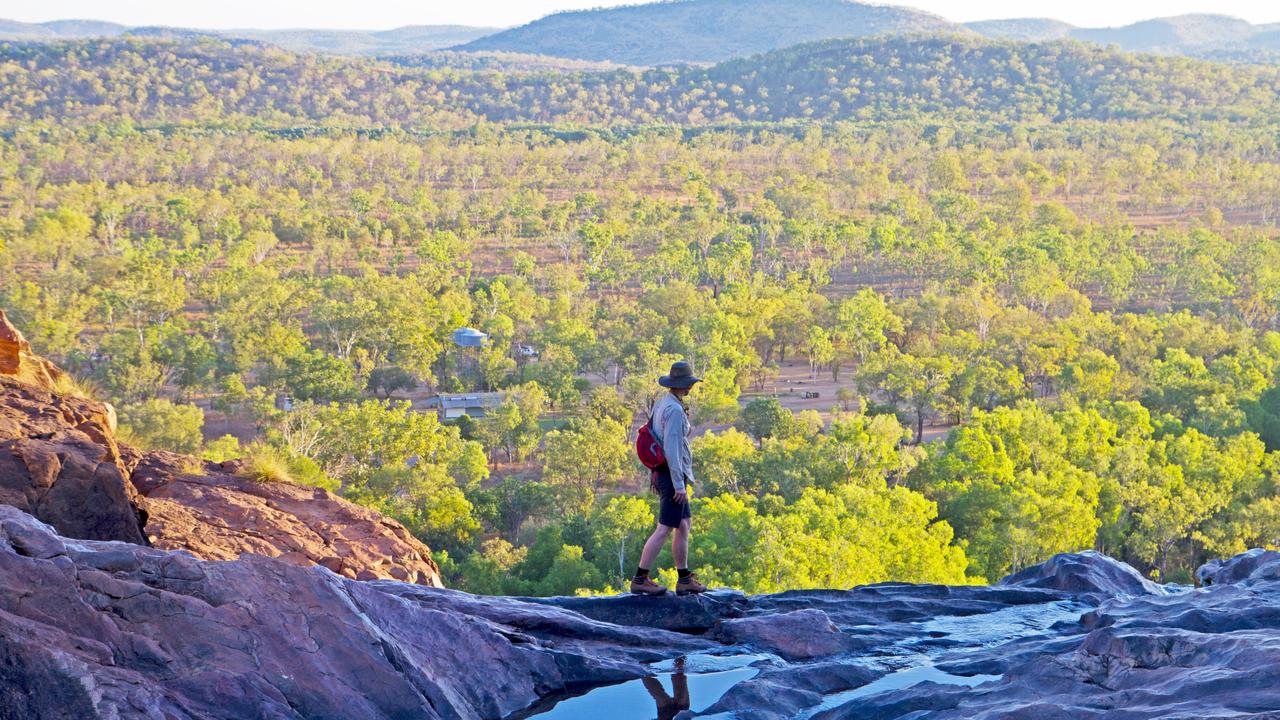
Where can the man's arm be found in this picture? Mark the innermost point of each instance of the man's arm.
(673, 434)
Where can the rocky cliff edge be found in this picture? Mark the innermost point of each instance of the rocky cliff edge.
(60, 461)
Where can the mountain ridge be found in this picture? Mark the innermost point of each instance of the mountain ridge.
(706, 32)
(1174, 34)
(404, 39)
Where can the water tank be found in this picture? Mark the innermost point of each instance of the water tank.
(469, 337)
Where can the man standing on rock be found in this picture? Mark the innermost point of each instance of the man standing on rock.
(670, 425)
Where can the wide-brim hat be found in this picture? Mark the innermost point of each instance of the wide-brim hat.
(681, 376)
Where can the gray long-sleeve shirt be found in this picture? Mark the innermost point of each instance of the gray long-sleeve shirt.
(671, 423)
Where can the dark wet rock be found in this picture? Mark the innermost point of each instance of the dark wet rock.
(690, 614)
(884, 604)
(1208, 653)
(1086, 572)
(967, 660)
(1238, 568)
(641, 643)
(922, 700)
(796, 635)
(782, 692)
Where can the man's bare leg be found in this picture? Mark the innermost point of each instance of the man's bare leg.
(688, 583)
(654, 544)
(680, 545)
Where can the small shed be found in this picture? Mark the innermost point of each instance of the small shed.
(469, 338)
(451, 406)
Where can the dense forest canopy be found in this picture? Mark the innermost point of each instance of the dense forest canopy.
(211, 82)
(1058, 261)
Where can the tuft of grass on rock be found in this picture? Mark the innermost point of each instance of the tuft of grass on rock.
(71, 386)
(192, 466)
(267, 464)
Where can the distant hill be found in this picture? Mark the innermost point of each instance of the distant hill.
(59, 29)
(409, 39)
(1181, 34)
(498, 61)
(708, 31)
(404, 40)
(700, 32)
(704, 31)
(1022, 29)
(1209, 36)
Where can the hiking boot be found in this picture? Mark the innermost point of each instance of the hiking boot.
(689, 585)
(646, 587)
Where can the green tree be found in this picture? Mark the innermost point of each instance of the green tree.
(569, 573)
(313, 375)
(159, 424)
(488, 571)
(1005, 483)
(718, 459)
(620, 529)
(863, 323)
(387, 380)
(765, 418)
(514, 426)
(587, 459)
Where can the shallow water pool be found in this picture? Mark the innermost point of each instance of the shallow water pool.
(694, 683)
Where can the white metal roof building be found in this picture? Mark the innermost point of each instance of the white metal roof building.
(455, 405)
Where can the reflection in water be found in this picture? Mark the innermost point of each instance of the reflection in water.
(669, 705)
(686, 685)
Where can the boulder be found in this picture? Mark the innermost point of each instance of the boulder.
(1238, 568)
(780, 693)
(18, 362)
(797, 635)
(1083, 573)
(59, 461)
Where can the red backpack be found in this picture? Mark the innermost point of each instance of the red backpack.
(648, 449)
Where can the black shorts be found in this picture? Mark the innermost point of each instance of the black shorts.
(670, 512)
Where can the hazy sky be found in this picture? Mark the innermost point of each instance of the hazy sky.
(379, 14)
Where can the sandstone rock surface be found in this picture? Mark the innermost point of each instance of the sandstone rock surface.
(1085, 572)
(217, 515)
(691, 614)
(18, 362)
(59, 461)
